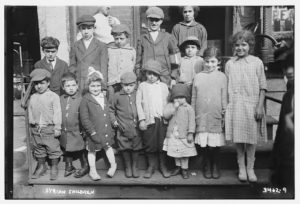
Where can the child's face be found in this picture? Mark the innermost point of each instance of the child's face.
(289, 73)
(120, 40)
(95, 88)
(191, 50)
(70, 87)
(241, 48)
(211, 63)
(154, 23)
(50, 53)
(128, 88)
(87, 31)
(180, 100)
(41, 86)
(151, 77)
(188, 14)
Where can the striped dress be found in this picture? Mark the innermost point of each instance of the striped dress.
(246, 77)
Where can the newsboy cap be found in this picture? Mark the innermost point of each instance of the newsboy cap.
(39, 74)
(155, 12)
(120, 28)
(152, 66)
(180, 90)
(85, 20)
(190, 40)
(128, 78)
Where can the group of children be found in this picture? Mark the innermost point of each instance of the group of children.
(152, 100)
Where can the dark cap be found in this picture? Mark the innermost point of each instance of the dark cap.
(155, 12)
(180, 90)
(121, 28)
(128, 78)
(49, 42)
(86, 20)
(153, 66)
(39, 74)
(190, 40)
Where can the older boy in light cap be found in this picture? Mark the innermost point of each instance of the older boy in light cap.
(45, 120)
(121, 58)
(123, 114)
(87, 52)
(159, 45)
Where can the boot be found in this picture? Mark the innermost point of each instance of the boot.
(175, 171)
(127, 162)
(69, 168)
(151, 157)
(241, 163)
(93, 174)
(54, 169)
(135, 164)
(215, 168)
(250, 165)
(185, 173)
(206, 164)
(40, 169)
(112, 170)
(84, 166)
(162, 165)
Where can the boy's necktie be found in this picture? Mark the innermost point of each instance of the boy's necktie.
(51, 65)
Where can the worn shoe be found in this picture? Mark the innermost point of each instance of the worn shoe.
(149, 172)
(251, 176)
(54, 169)
(40, 169)
(175, 171)
(185, 173)
(94, 175)
(112, 170)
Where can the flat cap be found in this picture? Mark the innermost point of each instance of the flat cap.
(152, 66)
(85, 20)
(128, 78)
(39, 74)
(190, 40)
(155, 12)
(180, 90)
(120, 28)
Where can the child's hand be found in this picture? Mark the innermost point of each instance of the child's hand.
(143, 125)
(116, 124)
(258, 113)
(190, 138)
(176, 104)
(173, 82)
(57, 133)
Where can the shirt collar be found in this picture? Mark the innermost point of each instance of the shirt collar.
(127, 46)
(73, 97)
(246, 59)
(54, 61)
(192, 24)
(157, 82)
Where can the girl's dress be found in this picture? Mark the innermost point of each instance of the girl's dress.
(246, 78)
(209, 99)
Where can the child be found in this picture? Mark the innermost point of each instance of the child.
(52, 63)
(151, 98)
(87, 52)
(95, 120)
(71, 139)
(44, 114)
(123, 115)
(121, 58)
(158, 45)
(245, 117)
(191, 64)
(209, 100)
(189, 27)
(179, 142)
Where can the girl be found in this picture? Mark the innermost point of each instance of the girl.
(209, 100)
(94, 115)
(151, 98)
(179, 142)
(245, 118)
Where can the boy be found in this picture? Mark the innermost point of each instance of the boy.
(123, 114)
(87, 52)
(151, 99)
(121, 58)
(52, 63)
(44, 114)
(158, 45)
(71, 139)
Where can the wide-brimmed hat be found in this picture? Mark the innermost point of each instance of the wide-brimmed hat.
(180, 90)
(193, 40)
(152, 66)
(155, 12)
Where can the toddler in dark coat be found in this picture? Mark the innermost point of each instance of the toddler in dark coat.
(94, 115)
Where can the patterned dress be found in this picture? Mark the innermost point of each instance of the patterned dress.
(246, 77)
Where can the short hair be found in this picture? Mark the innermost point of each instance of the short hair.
(94, 77)
(120, 33)
(195, 8)
(68, 76)
(49, 42)
(212, 52)
(245, 35)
